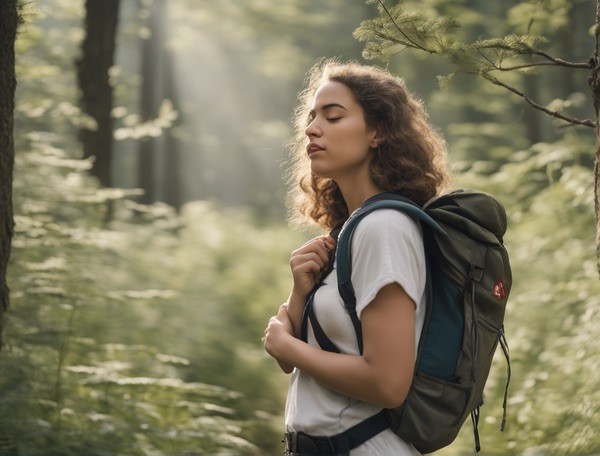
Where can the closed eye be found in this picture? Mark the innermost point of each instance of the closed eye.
(333, 119)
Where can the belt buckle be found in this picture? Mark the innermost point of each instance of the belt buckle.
(291, 443)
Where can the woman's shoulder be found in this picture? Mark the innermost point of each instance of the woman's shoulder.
(388, 221)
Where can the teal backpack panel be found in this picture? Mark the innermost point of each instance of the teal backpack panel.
(442, 343)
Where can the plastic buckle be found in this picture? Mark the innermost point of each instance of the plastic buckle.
(290, 441)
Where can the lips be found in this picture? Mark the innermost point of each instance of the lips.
(313, 147)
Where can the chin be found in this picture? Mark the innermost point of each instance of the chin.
(325, 175)
(319, 171)
(322, 169)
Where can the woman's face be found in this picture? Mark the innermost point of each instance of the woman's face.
(338, 137)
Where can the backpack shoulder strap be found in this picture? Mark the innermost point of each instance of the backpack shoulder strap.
(344, 247)
(309, 314)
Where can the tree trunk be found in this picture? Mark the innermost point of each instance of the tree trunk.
(97, 57)
(151, 54)
(172, 148)
(8, 30)
(595, 92)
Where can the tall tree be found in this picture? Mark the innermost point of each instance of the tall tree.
(150, 97)
(398, 28)
(595, 91)
(8, 30)
(172, 149)
(97, 57)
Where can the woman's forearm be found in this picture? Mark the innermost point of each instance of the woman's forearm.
(283, 315)
(351, 375)
(295, 309)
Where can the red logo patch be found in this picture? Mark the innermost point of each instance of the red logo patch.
(499, 291)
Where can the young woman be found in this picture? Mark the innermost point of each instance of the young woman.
(358, 133)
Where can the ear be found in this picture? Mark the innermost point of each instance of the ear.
(377, 139)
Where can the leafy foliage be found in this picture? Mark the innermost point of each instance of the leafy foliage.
(119, 332)
(75, 378)
(399, 27)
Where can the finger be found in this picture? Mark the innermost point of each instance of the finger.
(330, 242)
(310, 265)
(324, 240)
(318, 249)
(299, 260)
(316, 238)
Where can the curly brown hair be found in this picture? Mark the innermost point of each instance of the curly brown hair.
(411, 159)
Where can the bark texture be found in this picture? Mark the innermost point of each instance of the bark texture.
(8, 30)
(595, 93)
(151, 98)
(97, 57)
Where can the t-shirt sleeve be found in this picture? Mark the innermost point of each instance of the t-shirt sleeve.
(387, 247)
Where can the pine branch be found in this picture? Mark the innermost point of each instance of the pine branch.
(513, 45)
(409, 43)
(406, 37)
(480, 57)
(572, 120)
(529, 65)
(561, 62)
(525, 49)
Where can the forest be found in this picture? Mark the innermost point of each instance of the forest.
(151, 241)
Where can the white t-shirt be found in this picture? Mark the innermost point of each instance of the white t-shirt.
(387, 247)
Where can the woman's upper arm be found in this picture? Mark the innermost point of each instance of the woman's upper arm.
(388, 325)
(387, 247)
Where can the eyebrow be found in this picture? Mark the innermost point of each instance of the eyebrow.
(326, 107)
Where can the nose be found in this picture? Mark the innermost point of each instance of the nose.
(313, 129)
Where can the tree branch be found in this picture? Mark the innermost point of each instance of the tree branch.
(532, 51)
(406, 37)
(535, 64)
(561, 62)
(572, 120)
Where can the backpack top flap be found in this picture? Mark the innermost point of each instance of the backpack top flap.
(478, 214)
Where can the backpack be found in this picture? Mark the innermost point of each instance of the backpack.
(467, 287)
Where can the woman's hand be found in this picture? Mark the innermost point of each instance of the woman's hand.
(278, 332)
(308, 262)
(284, 318)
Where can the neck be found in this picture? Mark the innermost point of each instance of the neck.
(357, 191)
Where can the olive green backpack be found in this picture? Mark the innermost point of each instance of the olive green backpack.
(468, 282)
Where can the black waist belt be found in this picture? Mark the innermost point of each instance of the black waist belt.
(300, 443)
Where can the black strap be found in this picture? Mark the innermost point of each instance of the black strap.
(475, 419)
(309, 307)
(301, 443)
(304, 324)
(324, 341)
(504, 345)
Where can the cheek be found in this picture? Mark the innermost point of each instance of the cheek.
(355, 139)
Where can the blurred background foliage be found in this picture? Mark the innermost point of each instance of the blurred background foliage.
(135, 325)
